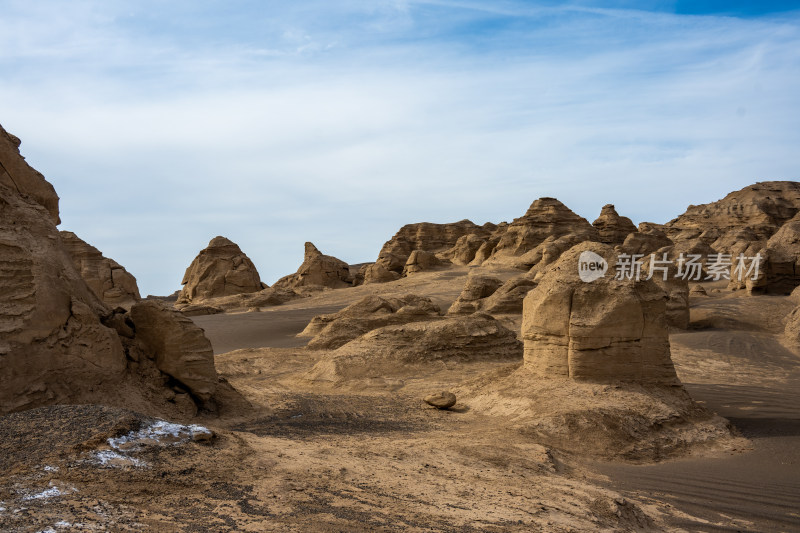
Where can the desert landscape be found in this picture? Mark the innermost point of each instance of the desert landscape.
(544, 374)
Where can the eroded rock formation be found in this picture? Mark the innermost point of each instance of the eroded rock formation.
(475, 290)
(318, 270)
(220, 269)
(611, 227)
(109, 280)
(601, 331)
(371, 312)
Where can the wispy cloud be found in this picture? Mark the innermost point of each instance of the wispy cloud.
(164, 124)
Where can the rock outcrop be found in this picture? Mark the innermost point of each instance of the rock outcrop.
(509, 297)
(549, 220)
(318, 270)
(371, 312)
(109, 280)
(611, 227)
(419, 261)
(393, 350)
(476, 289)
(378, 273)
(220, 269)
(427, 237)
(19, 177)
(648, 239)
(59, 343)
(600, 331)
(178, 347)
(744, 218)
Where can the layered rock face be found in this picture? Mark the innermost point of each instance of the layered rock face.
(19, 177)
(318, 270)
(397, 349)
(419, 261)
(220, 269)
(611, 227)
(743, 218)
(371, 312)
(600, 331)
(59, 343)
(178, 347)
(546, 230)
(109, 280)
(780, 266)
(427, 237)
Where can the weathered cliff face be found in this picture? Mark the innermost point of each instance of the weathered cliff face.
(59, 343)
(427, 237)
(220, 269)
(744, 218)
(24, 180)
(601, 331)
(109, 280)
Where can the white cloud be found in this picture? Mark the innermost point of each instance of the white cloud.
(300, 127)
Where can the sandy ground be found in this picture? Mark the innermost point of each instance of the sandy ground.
(374, 457)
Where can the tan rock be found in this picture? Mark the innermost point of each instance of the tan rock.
(476, 289)
(612, 228)
(602, 331)
(427, 237)
(371, 312)
(441, 400)
(178, 347)
(412, 347)
(509, 297)
(24, 180)
(318, 270)
(378, 273)
(645, 241)
(546, 217)
(464, 250)
(743, 218)
(698, 290)
(419, 261)
(221, 269)
(109, 280)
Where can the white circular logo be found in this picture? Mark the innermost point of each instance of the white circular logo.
(591, 266)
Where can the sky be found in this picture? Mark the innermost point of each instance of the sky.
(162, 124)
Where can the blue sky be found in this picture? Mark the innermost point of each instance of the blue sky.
(162, 124)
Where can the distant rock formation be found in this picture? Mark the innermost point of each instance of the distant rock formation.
(220, 269)
(392, 350)
(509, 297)
(318, 270)
(371, 312)
(427, 237)
(476, 289)
(59, 343)
(378, 273)
(109, 280)
(744, 218)
(600, 331)
(419, 261)
(611, 227)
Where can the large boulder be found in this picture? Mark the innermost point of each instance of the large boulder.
(178, 346)
(508, 298)
(220, 269)
(611, 227)
(605, 330)
(318, 270)
(378, 273)
(109, 280)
